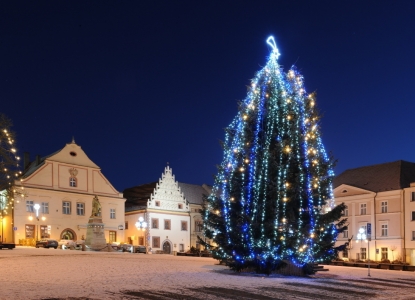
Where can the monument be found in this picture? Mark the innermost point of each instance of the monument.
(95, 237)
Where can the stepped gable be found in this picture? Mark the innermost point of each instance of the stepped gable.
(381, 177)
(167, 194)
(195, 193)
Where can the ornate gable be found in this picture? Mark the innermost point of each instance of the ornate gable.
(167, 194)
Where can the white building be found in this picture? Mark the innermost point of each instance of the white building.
(384, 196)
(63, 184)
(171, 210)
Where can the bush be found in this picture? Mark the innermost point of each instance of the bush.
(385, 261)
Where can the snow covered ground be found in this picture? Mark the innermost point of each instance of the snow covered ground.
(29, 273)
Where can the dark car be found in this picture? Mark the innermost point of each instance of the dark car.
(141, 249)
(47, 243)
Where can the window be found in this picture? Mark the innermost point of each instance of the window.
(181, 247)
(30, 231)
(413, 216)
(44, 232)
(364, 228)
(112, 213)
(72, 181)
(362, 253)
(198, 226)
(346, 211)
(363, 208)
(346, 232)
(155, 223)
(141, 240)
(157, 203)
(156, 242)
(80, 209)
(384, 206)
(66, 207)
(45, 207)
(180, 206)
(126, 225)
(184, 225)
(167, 224)
(29, 206)
(112, 236)
(345, 253)
(197, 245)
(413, 196)
(384, 228)
(413, 235)
(384, 253)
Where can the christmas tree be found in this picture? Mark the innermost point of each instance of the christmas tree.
(272, 200)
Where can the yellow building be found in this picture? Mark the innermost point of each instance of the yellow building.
(384, 196)
(55, 200)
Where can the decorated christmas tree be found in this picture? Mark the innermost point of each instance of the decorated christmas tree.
(272, 200)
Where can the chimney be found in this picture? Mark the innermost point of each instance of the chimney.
(26, 160)
(37, 160)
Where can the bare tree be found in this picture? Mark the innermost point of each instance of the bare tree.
(9, 160)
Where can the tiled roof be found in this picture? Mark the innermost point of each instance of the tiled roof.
(194, 193)
(34, 165)
(382, 177)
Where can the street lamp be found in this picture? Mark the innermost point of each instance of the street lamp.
(141, 225)
(362, 236)
(36, 207)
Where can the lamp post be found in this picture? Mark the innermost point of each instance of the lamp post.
(362, 236)
(36, 207)
(141, 224)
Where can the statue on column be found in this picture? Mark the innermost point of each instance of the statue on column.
(96, 207)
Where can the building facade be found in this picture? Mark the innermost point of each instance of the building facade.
(384, 196)
(171, 211)
(56, 199)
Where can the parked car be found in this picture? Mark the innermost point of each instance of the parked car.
(127, 247)
(67, 244)
(141, 249)
(47, 243)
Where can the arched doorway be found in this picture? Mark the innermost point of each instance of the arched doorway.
(68, 234)
(166, 247)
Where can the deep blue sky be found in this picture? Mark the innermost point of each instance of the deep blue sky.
(143, 83)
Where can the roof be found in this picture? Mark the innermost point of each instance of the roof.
(381, 177)
(194, 193)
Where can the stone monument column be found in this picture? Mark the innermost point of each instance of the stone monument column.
(95, 236)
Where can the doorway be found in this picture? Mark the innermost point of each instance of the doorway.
(166, 247)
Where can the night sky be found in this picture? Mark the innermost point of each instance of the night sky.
(142, 83)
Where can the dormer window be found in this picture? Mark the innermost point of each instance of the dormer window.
(157, 203)
(180, 206)
(72, 182)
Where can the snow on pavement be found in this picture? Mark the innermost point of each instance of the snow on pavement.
(30, 273)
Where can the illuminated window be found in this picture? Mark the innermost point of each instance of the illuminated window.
(362, 253)
(384, 253)
(30, 231)
(345, 253)
(112, 236)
